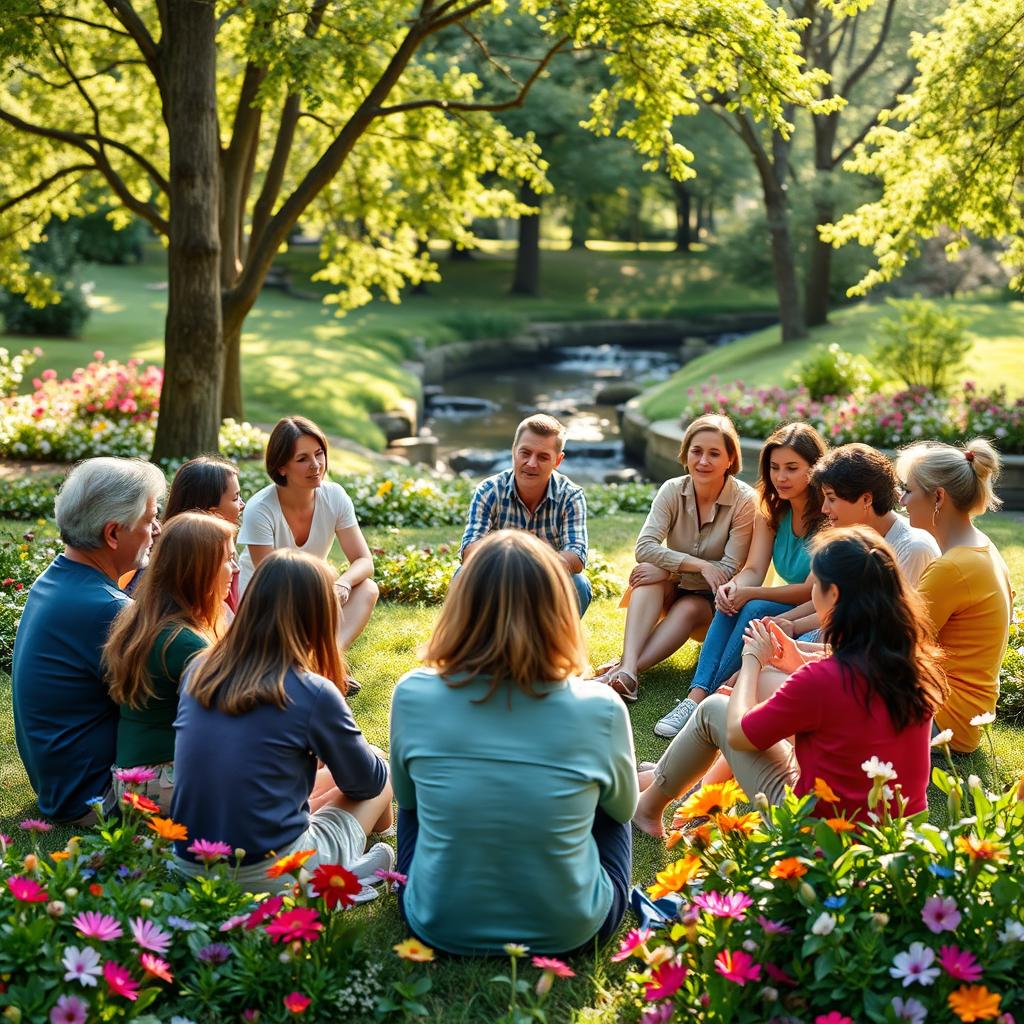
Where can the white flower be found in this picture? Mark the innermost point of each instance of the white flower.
(942, 738)
(982, 720)
(824, 925)
(915, 965)
(82, 965)
(1013, 931)
(909, 1010)
(973, 782)
(878, 770)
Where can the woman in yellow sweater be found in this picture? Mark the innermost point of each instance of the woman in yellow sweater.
(967, 589)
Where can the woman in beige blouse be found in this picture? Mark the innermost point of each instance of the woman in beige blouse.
(695, 538)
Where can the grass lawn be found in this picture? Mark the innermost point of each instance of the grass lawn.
(461, 990)
(761, 359)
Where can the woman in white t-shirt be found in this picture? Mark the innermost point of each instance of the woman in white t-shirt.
(304, 511)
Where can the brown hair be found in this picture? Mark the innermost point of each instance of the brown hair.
(287, 619)
(855, 469)
(966, 474)
(810, 446)
(178, 590)
(720, 425)
(879, 625)
(199, 485)
(543, 426)
(281, 444)
(511, 616)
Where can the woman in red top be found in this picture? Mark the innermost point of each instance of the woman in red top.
(872, 697)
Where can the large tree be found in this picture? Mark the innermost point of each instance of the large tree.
(222, 125)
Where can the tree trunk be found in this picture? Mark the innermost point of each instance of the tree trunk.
(699, 218)
(683, 211)
(190, 407)
(711, 215)
(580, 227)
(457, 255)
(526, 279)
(231, 393)
(791, 314)
(819, 267)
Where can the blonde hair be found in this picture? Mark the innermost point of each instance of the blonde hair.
(511, 616)
(287, 619)
(720, 425)
(967, 474)
(178, 589)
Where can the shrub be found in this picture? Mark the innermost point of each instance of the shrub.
(22, 559)
(922, 345)
(830, 371)
(99, 241)
(13, 367)
(1011, 675)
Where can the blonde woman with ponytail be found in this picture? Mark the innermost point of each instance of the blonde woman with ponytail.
(967, 589)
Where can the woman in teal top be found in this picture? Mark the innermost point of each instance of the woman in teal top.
(178, 611)
(790, 514)
(515, 779)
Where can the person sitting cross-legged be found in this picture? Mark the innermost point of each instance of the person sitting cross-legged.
(65, 723)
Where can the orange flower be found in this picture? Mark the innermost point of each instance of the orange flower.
(840, 825)
(710, 799)
(673, 839)
(60, 855)
(674, 877)
(823, 791)
(974, 1002)
(790, 867)
(167, 829)
(745, 823)
(289, 864)
(981, 849)
(413, 949)
(140, 803)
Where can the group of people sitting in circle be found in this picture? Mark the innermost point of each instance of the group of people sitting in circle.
(146, 643)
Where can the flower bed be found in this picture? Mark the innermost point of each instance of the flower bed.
(876, 418)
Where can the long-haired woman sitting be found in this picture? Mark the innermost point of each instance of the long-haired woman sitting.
(254, 717)
(515, 779)
(178, 611)
(874, 696)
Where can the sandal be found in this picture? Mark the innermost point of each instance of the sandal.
(625, 684)
(603, 672)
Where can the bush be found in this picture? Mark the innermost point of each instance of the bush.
(13, 367)
(830, 371)
(98, 241)
(22, 559)
(922, 345)
(1011, 676)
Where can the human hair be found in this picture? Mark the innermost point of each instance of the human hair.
(281, 444)
(287, 619)
(967, 474)
(879, 625)
(178, 590)
(101, 491)
(855, 469)
(543, 426)
(810, 446)
(199, 485)
(511, 616)
(720, 425)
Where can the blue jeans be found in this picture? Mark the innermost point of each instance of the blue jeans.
(584, 591)
(722, 649)
(614, 849)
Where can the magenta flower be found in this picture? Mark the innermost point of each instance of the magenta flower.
(69, 1010)
(26, 890)
(773, 927)
(778, 975)
(940, 914)
(634, 940)
(149, 935)
(738, 966)
(554, 965)
(394, 878)
(91, 924)
(835, 1017)
(135, 776)
(120, 981)
(209, 851)
(301, 924)
(35, 825)
(660, 1014)
(723, 905)
(666, 980)
(959, 963)
(268, 908)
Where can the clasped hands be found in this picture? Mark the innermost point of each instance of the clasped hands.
(765, 640)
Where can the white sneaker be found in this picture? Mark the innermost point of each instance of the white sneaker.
(673, 722)
(379, 857)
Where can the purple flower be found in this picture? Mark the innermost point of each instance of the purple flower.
(773, 927)
(909, 1010)
(183, 924)
(149, 935)
(214, 953)
(940, 914)
(69, 1010)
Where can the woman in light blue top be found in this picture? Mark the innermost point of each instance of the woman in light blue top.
(515, 779)
(790, 514)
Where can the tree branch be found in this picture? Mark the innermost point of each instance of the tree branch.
(872, 55)
(43, 185)
(871, 122)
(136, 28)
(55, 16)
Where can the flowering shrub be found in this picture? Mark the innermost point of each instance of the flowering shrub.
(13, 367)
(106, 408)
(22, 559)
(876, 418)
(831, 370)
(122, 934)
(819, 920)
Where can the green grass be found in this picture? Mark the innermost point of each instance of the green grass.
(761, 358)
(461, 990)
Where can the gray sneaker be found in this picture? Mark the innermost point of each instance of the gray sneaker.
(673, 722)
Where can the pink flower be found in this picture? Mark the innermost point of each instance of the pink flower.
(778, 975)
(35, 825)
(661, 1014)
(940, 914)
(268, 908)
(666, 980)
(49, 374)
(300, 924)
(296, 1002)
(26, 890)
(634, 940)
(554, 965)
(93, 925)
(835, 1017)
(729, 905)
(395, 878)
(959, 963)
(773, 927)
(233, 922)
(209, 851)
(158, 968)
(737, 966)
(120, 981)
(149, 935)
(135, 776)
(98, 354)
(69, 1010)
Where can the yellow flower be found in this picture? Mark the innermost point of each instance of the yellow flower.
(788, 867)
(289, 864)
(386, 487)
(413, 949)
(823, 791)
(745, 823)
(981, 849)
(711, 799)
(674, 877)
(974, 1002)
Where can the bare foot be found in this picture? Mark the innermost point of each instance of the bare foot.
(653, 826)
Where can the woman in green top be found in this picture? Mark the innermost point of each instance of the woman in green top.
(178, 610)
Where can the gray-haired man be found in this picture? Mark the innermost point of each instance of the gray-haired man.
(64, 721)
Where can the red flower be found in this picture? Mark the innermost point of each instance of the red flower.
(302, 924)
(96, 889)
(27, 890)
(296, 1002)
(336, 885)
(554, 965)
(141, 803)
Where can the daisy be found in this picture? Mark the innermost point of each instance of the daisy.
(633, 941)
(732, 905)
(69, 1010)
(915, 965)
(120, 981)
(301, 923)
(959, 963)
(93, 925)
(209, 851)
(158, 968)
(666, 980)
(336, 885)
(909, 1010)
(26, 890)
(738, 966)
(940, 914)
(149, 935)
(82, 965)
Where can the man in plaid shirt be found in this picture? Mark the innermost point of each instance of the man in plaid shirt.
(532, 496)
